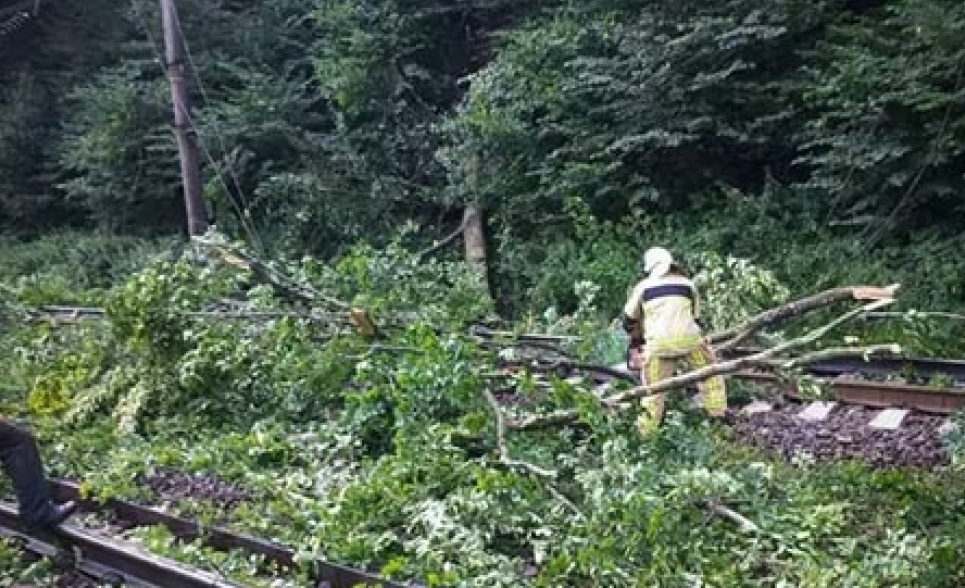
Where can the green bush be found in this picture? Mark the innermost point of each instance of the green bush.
(70, 268)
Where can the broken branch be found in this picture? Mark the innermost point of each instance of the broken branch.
(912, 315)
(445, 241)
(732, 337)
(743, 523)
(502, 445)
(261, 270)
(716, 369)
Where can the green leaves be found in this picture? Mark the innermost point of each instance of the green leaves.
(884, 94)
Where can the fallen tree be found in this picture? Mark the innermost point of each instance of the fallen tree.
(730, 338)
(766, 359)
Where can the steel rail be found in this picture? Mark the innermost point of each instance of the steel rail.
(944, 401)
(106, 559)
(928, 399)
(922, 367)
(326, 574)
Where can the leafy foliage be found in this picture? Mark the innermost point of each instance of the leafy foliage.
(383, 454)
(18, 569)
(777, 148)
(886, 92)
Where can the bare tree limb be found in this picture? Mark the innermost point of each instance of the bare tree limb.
(716, 369)
(732, 337)
(522, 466)
(833, 353)
(487, 333)
(539, 364)
(503, 447)
(264, 272)
(916, 315)
(743, 523)
(828, 354)
(445, 241)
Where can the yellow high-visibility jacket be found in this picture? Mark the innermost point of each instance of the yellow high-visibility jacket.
(669, 306)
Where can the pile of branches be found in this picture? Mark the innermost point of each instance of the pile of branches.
(321, 307)
(780, 357)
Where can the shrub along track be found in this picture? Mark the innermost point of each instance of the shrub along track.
(94, 556)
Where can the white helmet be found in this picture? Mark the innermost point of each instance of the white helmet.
(657, 262)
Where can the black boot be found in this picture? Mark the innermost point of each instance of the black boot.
(59, 513)
(21, 461)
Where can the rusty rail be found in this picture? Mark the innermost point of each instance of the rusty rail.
(944, 401)
(922, 367)
(326, 574)
(103, 559)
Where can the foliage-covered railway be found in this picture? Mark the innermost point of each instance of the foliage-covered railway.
(882, 423)
(843, 434)
(99, 557)
(385, 452)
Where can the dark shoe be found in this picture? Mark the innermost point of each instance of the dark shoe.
(60, 513)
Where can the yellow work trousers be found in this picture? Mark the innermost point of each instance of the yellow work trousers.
(712, 391)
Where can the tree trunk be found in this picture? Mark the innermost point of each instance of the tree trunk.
(474, 233)
(474, 236)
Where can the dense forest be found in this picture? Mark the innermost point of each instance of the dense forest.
(820, 139)
(778, 147)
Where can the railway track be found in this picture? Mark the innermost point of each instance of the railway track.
(116, 563)
(850, 390)
(873, 411)
(104, 560)
(880, 383)
(881, 424)
(912, 369)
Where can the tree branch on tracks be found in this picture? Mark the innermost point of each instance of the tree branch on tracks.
(716, 369)
(835, 353)
(915, 315)
(730, 338)
(502, 445)
(718, 508)
(778, 364)
(505, 459)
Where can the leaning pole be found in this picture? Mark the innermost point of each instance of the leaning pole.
(183, 127)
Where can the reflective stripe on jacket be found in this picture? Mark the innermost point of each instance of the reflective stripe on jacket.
(669, 305)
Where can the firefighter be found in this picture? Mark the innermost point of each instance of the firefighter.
(661, 318)
(21, 461)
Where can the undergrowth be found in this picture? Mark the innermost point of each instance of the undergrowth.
(381, 452)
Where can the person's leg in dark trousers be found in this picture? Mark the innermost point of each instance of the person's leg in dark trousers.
(21, 461)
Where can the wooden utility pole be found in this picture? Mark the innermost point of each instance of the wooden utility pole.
(183, 128)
